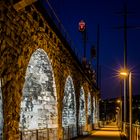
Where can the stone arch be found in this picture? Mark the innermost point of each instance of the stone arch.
(82, 106)
(39, 101)
(1, 111)
(69, 104)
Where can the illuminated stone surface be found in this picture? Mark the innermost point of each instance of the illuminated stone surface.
(94, 110)
(21, 34)
(1, 111)
(89, 108)
(82, 113)
(38, 107)
(69, 104)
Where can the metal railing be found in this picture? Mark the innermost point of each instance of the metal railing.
(135, 131)
(81, 129)
(50, 11)
(72, 47)
(69, 132)
(39, 134)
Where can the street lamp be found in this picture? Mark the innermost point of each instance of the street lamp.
(82, 29)
(119, 101)
(118, 116)
(126, 74)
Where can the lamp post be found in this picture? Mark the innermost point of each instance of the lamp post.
(120, 114)
(129, 75)
(130, 105)
(82, 29)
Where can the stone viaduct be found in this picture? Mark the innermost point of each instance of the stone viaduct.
(43, 84)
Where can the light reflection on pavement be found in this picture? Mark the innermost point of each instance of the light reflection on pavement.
(109, 132)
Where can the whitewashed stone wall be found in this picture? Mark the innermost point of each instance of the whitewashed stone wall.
(69, 104)
(39, 103)
(89, 108)
(1, 111)
(94, 110)
(82, 112)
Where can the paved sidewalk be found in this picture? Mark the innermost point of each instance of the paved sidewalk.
(108, 132)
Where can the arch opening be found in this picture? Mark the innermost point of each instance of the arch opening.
(82, 113)
(69, 104)
(89, 108)
(94, 109)
(39, 100)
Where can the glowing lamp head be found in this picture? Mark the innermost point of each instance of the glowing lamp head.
(118, 101)
(82, 26)
(124, 73)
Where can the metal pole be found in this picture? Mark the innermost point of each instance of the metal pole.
(121, 113)
(21, 135)
(125, 61)
(47, 130)
(36, 134)
(98, 40)
(84, 39)
(125, 36)
(105, 111)
(121, 104)
(68, 133)
(130, 106)
(124, 103)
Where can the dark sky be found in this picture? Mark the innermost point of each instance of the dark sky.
(105, 13)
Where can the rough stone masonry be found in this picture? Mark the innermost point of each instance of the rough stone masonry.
(22, 33)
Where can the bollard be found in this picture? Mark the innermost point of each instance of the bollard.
(21, 135)
(63, 133)
(137, 133)
(47, 133)
(36, 134)
(68, 133)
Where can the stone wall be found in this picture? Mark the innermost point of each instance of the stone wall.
(1, 111)
(21, 34)
(39, 102)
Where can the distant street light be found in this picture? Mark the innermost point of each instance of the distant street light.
(126, 74)
(82, 26)
(119, 101)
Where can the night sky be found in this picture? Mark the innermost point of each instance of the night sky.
(105, 13)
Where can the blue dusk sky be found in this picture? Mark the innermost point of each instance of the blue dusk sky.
(105, 13)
